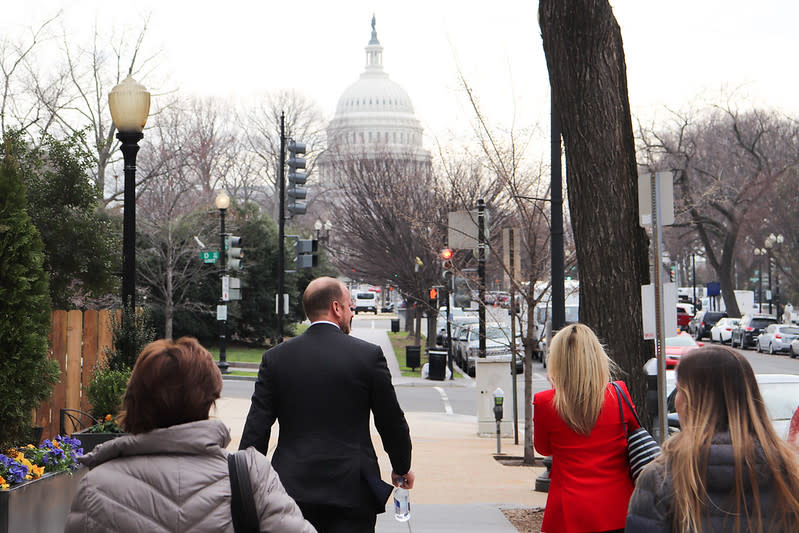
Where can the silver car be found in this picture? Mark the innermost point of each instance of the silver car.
(722, 330)
(777, 338)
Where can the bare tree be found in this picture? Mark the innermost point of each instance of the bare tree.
(261, 130)
(725, 161)
(587, 72)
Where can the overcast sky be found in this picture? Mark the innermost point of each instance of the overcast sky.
(678, 52)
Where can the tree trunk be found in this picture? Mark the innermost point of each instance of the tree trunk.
(587, 72)
(417, 309)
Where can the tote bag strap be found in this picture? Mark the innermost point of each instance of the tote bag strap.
(621, 409)
(620, 395)
(242, 503)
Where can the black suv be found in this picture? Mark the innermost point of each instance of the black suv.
(751, 326)
(701, 324)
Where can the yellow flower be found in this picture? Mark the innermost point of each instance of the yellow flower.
(30, 446)
(2, 480)
(37, 471)
(3, 486)
(108, 418)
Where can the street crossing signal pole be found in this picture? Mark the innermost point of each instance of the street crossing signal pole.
(281, 248)
(222, 364)
(481, 271)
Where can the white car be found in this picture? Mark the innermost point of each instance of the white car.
(365, 301)
(777, 338)
(497, 345)
(794, 348)
(722, 330)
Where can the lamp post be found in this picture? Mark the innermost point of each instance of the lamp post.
(129, 103)
(759, 254)
(773, 241)
(323, 236)
(222, 203)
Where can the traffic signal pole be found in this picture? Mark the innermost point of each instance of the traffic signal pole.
(222, 364)
(281, 223)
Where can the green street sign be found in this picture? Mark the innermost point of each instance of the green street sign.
(753, 280)
(209, 257)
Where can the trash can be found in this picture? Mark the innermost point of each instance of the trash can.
(412, 356)
(395, 325)
(438, 364)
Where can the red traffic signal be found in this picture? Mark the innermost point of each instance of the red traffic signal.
(446, 254)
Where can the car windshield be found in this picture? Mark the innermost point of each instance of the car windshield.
(366, 296)
(680, 340)
(761, 322)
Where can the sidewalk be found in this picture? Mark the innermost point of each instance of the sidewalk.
(460, 487)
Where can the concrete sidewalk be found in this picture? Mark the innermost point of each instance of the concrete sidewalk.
(460, 486)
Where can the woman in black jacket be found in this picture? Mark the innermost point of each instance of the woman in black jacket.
(727, 470)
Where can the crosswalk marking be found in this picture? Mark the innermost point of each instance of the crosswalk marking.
(445, 399)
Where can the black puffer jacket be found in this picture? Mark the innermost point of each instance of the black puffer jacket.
(650, 509)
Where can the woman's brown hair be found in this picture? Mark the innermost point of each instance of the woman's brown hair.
(720, 394)
(173, 382)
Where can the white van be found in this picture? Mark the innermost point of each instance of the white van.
(365, 301)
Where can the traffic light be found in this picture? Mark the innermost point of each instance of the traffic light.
(295, 193)
(306, 253)
(433, 298)
(463, 294)
(446, 262)
(233, 252)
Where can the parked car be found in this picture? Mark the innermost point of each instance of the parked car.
(497, 345)
(780, 395)
(794, 348)
(751, 326)
(776, 338)
(722, 330)
(700, 325)
(459, 318)
(676, 347)
(684, 315)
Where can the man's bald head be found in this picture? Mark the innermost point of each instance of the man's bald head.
(319, 296)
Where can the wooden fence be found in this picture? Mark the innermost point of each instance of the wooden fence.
(77, 341)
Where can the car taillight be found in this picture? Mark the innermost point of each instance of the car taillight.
(702, 324)
(749, 328)
(777, 336)
(728, 329)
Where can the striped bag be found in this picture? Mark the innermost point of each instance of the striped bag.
(641, 446)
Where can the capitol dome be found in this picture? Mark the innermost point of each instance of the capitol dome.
(375, 114)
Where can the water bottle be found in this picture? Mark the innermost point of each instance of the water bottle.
(402, 504)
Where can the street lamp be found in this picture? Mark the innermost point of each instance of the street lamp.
(222, 203)
(772, 241)
(759, 254)
(129, 103)
(322, 236)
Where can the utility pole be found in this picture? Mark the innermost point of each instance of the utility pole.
(281, 222)
(556, 192)
(481, 272)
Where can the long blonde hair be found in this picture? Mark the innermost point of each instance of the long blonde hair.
(580, 372)
(719, 394)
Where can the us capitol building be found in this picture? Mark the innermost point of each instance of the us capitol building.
(374, 119)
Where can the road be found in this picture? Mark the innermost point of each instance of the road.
(460, 396)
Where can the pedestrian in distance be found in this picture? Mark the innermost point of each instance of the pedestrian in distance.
(321, 387)
(171, 473)
(578, 423)
(727, 470)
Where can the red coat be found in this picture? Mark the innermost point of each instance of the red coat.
(590, 484)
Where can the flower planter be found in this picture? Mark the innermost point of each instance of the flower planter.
(90, 441)
(39, 505)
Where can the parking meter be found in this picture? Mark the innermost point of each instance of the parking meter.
(499, 399)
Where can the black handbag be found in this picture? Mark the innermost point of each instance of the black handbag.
(242, 503)
(641, 446)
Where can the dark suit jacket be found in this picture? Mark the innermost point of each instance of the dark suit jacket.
(321, 387)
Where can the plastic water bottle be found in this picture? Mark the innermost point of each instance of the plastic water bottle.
(402, 504)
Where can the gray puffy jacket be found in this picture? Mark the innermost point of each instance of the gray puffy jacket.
(650, 509)
(173, 480)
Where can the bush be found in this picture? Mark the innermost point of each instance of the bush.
(27, 374)
(106, 390)
(130, 333)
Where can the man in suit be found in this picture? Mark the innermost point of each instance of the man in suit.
(321, 388)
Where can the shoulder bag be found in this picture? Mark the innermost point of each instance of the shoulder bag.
(242, 503)
(641, 446)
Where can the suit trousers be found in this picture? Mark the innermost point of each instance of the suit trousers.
(333, 519)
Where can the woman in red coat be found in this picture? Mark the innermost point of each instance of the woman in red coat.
(578, 423)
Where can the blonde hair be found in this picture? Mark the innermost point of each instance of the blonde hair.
(720, 394)
(580, 371)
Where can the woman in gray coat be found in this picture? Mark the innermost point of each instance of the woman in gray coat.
(727, 470)
(171, 473)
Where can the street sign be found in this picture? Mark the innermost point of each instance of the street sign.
(209, 257)
(221, 312)
(664, 181)
(225, 288)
